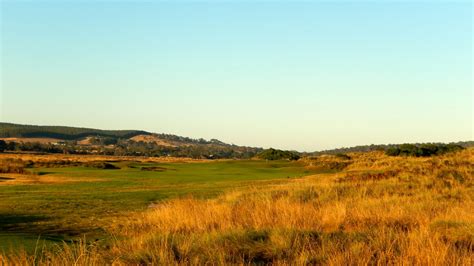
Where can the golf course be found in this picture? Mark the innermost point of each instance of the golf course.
(67, 202)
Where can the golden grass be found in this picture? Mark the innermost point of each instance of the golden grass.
(379, 210)
(45, 158)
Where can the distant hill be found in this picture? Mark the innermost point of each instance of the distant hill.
(154, 139)
(76, 140)
(9, 130)
(380, 147)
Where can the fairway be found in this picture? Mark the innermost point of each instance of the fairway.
(73, 202)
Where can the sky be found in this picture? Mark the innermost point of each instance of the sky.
(299, 75)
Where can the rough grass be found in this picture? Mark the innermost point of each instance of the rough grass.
(12, 166)
(379, 210)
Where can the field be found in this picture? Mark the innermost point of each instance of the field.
(65, 197)
(364, 208)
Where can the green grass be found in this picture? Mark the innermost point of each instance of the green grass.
(64, 211)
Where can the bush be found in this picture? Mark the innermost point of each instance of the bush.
(3, 145)
(393, 151)
(343, 156)
(423, 150)
(102, 165)
(273, 154)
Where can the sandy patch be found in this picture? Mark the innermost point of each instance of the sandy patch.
(24, 179)
(152, 139)
(85, 141)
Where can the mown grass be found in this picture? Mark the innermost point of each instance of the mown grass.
(377, 210)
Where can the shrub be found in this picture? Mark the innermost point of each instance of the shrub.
(102, 165)
(3, 145)
(343, 156)
(273, 154)
(423, 150)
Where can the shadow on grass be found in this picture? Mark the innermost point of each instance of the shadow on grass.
(14, 222)
(25, 226)
(43, 173)
(21, 232)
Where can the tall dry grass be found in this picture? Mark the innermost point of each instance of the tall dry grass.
(379, 211)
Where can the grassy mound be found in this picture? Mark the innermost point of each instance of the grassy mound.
(273, 154)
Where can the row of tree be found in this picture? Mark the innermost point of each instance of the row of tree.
(382, 147)
(423, 150)
(210, 150)
(132, 148)
(9, 130)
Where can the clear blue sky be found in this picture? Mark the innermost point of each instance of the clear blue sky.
(307, 75)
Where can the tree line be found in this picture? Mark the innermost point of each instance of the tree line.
(382, 147)
(124, 147)
(422, 150)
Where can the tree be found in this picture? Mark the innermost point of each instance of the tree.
(422, 150)
(3, 145)
(11, 146)
(273, 154)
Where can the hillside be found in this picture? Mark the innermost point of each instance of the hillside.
(153, 139)
(75, 140)
(9, 130)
